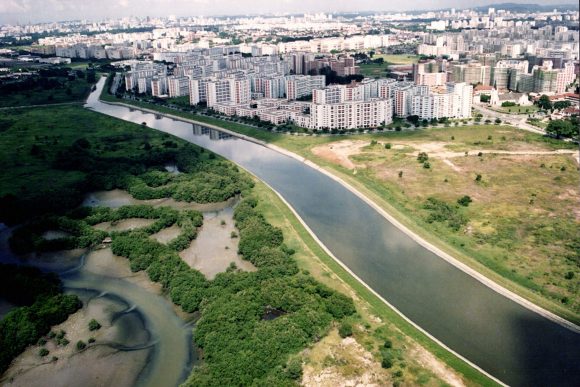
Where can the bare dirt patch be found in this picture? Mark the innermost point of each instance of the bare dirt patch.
(429, 361)
(342, 362)
(339, 152)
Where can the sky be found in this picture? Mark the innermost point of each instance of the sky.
(32, 11)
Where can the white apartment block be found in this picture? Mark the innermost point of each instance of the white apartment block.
(351, 115)
(178, 86)
(298, 86)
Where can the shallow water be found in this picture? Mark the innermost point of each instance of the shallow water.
(124, 224)
(167, 234)
(214, 249)
(170, 356)
(116, 198)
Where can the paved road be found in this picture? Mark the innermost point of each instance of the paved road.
(518, 120)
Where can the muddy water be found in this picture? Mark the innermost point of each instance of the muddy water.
(167, 234)
(122, 339)
(54, 234)
(214, 249)
(145, 314)
(125, 224)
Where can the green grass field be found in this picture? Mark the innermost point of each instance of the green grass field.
(375, 70)
(519, 109)
(398, 59)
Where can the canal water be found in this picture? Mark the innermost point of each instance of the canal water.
(509, 341)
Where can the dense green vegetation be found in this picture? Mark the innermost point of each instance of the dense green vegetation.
(43, 303)
(47, 86)
(241, 346)
(243, 341)
(50, 164)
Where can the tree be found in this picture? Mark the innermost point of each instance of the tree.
(544, 102)
(422, 157)
(345, 329)
(478, 177)
(413, 119)
(559, 105)
(562, 129)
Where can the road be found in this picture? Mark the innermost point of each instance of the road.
(518, 120)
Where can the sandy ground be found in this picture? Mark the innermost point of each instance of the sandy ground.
(214, 249)
(29, 369)
(344, 362)
(117, 198)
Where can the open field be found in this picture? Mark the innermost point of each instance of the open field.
(524, 220)
(398, 59)
(375, 70)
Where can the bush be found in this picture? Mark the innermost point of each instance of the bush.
(422, 157)
(81, 345)
(42, 352)
(94, 325)
(388, 145)
(387, 362)
(345, 329)
(294, 369)
(464, 201)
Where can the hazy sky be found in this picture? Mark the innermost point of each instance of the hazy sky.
(25, 11)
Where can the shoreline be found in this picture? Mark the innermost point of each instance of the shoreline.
(390, 218)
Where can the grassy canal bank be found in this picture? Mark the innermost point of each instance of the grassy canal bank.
(518, 227)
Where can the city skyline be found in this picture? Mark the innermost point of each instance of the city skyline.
(36, 11)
